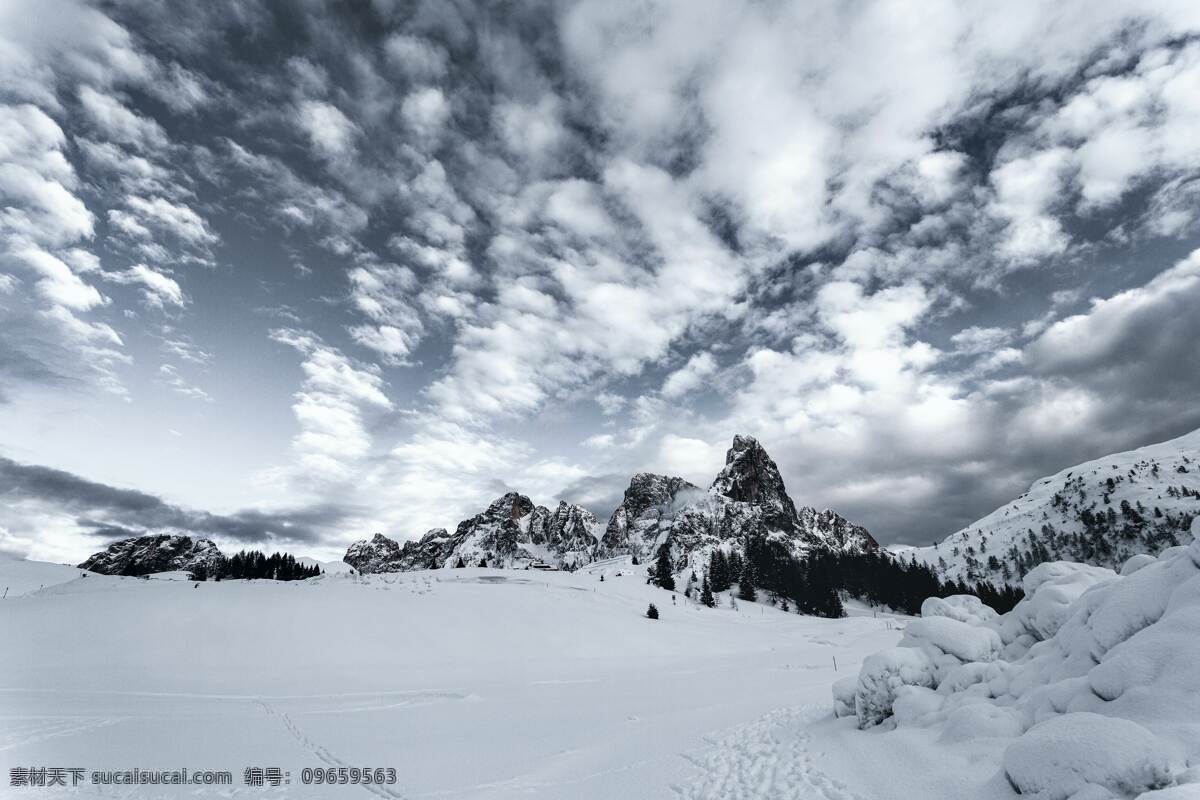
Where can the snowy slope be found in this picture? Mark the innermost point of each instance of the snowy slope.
(1099, 512)
(472, 683)
(1087, 689)
(19, 576)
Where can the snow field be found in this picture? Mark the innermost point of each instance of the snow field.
(472, 683)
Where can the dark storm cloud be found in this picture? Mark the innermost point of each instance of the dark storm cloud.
(115, 513)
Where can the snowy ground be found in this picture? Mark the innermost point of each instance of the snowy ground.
(470, 683)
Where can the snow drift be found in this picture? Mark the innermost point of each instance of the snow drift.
(1090, 683)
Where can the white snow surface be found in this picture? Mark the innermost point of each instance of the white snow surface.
(1088, 690)
(471, 683)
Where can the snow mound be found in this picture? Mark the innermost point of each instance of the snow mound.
(881, 677)
(1134, 563)
(962, 607)
(1065, 755)
(1090, 682)
(952, 638)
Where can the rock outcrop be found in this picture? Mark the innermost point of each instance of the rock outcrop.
(143, 555)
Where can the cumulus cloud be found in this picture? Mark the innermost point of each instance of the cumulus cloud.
(330, 132)
(690, 376)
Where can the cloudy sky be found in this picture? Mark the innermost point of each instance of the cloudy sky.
(288, 274)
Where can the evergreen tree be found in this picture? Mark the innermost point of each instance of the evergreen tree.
(661, 572)
(652, 612)
(747, 589)
(706, 595)
(461, 564)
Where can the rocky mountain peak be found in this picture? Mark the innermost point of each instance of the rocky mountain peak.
(751, 476)
(512, 505)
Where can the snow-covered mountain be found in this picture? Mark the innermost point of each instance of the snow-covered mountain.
(511, 532)
(746, 499)
(143, 555)
(1100, 512)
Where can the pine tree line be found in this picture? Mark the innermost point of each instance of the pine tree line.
(253, 564)
(815, 585)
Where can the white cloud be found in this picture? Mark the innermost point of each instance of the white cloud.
(1027, 189)
(177, 219)
(426, 111)
(333, 407)
(37, 181)
(119, 124)
(419, 59)
(690, 376)
(169, 375)
(331, 134)
(158, 290)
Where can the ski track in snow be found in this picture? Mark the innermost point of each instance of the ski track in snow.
(767, 758)
(50, 728)
(323, 754)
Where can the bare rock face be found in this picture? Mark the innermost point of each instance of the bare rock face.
(143, 555)
(647, 513)
(750, 476)
(378, 554)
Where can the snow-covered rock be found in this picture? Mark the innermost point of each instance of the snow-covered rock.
(962, 607)
(844, 692)
(1100, 512)
(1064, 755)
(379, 554)
(144, 555)
(1095, 692)
(881, 678)
(954, 638)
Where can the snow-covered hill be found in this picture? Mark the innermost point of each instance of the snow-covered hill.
(471, 683)
(746, 499)
(1100, 512)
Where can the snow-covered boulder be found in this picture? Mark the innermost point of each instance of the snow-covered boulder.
(1064, 755)
(1050, 589)
(844, 691)
(962, 607)
(1096, 693)
(954, 638)
(881, 677)
(1134, 563)
(916, 705)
